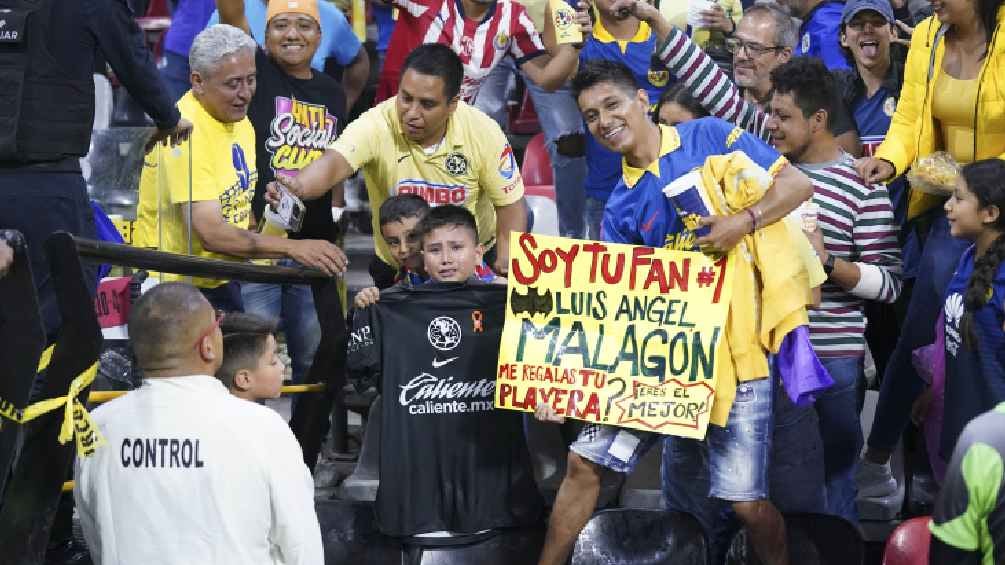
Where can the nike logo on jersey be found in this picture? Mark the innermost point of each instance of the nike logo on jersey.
(403, 157)
(437, 363)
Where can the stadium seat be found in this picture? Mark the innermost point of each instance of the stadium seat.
(539, 186)
(814, 539)
(501, 547)
(349, 534)
(641, 537)
(523, 118)
(362, 484)
(642, 487)
(908, 544)
(536, 169)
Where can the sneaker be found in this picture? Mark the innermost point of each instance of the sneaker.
(875, 480)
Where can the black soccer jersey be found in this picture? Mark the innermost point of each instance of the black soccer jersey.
(448, 459)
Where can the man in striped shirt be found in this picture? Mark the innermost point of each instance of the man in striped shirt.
(857, 244)
(763, 40)
(482, 33)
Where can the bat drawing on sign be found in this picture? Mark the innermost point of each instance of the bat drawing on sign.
(532, 303)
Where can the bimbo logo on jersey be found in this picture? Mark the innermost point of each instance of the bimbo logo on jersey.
(433, 193)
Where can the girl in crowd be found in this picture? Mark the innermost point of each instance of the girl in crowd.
(953, 100)
(975, 300)
(677, 106)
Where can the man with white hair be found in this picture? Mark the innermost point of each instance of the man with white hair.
(207, 184)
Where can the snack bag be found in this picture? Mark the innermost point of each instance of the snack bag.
(934, 174)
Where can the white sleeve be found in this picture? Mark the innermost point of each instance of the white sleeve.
(295, 529)
(85, 510)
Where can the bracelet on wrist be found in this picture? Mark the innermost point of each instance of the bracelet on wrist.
(753, 219)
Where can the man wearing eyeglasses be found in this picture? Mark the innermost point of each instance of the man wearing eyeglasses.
(763, 40)
(190, 473)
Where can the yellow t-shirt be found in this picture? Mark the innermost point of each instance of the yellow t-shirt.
(222, 169)
(473, 167)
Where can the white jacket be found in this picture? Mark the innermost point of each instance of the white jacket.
(192, 475)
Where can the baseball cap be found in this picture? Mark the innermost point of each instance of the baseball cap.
(853, 7)
(306, 7)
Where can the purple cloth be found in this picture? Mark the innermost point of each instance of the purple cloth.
(188, 19)
(802, 374)
(930, 362)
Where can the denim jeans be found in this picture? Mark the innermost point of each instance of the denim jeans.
(293, 306)
(559, 115)
(838, 412)
(795, 475)
(226, 297)
(901, 384)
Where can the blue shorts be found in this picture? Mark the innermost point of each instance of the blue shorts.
(733, 460)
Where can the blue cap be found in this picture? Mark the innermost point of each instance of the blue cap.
(853, 7)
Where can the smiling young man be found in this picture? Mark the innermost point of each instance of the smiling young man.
(336, 41)
(870, 89)
(426, 141)
(638, 213)
(857, 245)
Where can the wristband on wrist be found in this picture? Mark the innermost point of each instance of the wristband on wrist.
(753, 219)
(828, 264)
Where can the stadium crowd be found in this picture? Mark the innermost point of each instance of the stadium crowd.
(876, 128)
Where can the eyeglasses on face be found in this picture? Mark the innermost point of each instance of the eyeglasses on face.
(754, 49)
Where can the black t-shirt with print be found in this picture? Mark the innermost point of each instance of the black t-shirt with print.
(295, 120)
(449, 460)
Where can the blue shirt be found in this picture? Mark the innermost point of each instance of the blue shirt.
(872, 120)
(385, 25)
(818, 36)
(975, 376)
(604, 166)
(337, 39)
(188, 19)
(639, 213)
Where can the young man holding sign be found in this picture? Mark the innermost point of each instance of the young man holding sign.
(638, 212)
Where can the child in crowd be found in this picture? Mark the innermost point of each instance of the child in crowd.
(398, 216)
(251, 368)
(677, 106)
(975, 299)
(445, 248)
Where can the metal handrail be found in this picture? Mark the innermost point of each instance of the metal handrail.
(150, 259)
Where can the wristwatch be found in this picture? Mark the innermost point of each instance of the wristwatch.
(829, 264)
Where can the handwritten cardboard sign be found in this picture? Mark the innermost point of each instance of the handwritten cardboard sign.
(618, 334)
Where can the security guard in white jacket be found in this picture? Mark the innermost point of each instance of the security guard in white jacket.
(189, 473)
